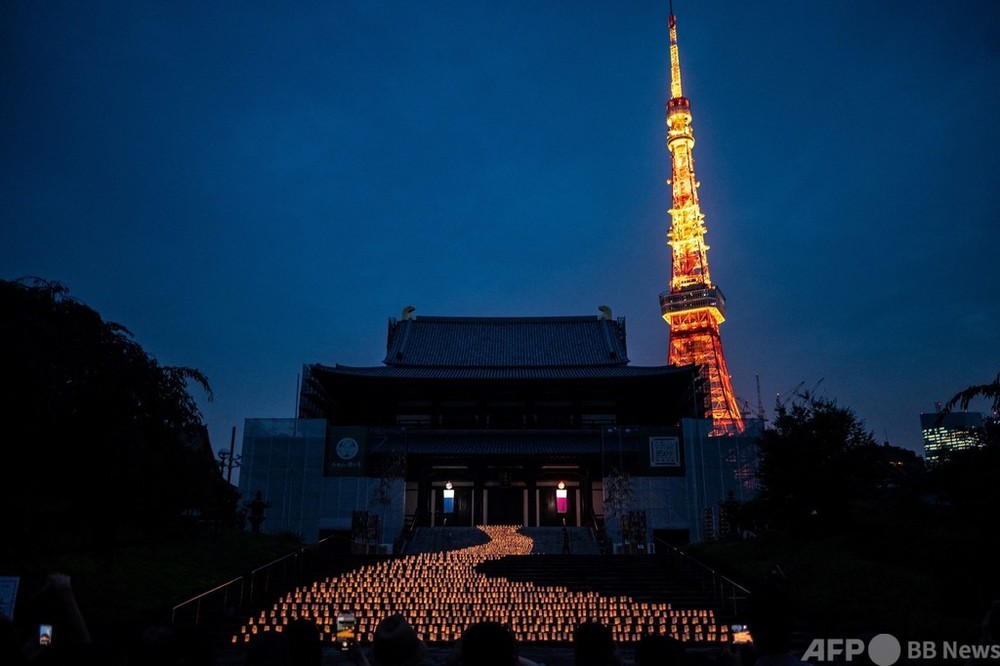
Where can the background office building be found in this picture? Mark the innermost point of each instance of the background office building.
(950, 431)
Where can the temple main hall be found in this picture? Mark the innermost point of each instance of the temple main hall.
(533, 421)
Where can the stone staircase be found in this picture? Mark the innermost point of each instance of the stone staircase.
(549, 540)
(519, 576)
(434, 539)
(660, 577)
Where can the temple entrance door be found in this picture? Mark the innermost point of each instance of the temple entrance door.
(505, 506)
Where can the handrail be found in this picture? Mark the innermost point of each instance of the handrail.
(719, 581)
(198, 597)
(701, 564)
(242, 588)
(273, 562)
(600, 533)
(405, 534)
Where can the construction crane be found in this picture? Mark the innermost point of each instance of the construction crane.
(779, 402)
(744, 405)
(812, 391)
(760, 403)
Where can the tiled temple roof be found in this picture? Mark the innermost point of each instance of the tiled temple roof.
(506, 342)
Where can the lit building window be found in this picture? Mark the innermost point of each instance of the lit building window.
(954, 431)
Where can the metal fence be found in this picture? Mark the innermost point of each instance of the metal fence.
(238, 598)
(730, 596)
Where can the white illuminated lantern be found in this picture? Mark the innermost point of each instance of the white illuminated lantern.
(449, 498)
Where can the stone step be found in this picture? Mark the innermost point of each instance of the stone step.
(652, 578)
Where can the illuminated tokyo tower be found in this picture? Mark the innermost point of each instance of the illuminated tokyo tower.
(693, 307)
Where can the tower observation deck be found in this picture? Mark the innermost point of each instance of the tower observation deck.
(693, 307)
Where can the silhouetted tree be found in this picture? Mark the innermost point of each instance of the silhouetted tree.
(619, 493)
(392, 468)
(990, 433)
(815, 462)
(102, 441)
(966, 486)
(969, 479)
(865, 505)
(964, 398)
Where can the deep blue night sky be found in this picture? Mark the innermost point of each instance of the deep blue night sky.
(252, 186)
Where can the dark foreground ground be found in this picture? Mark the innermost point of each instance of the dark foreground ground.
(543, 655)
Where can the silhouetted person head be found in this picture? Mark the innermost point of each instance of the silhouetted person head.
(991, 624)
(304, 642)
(659, 650)
(53, 602)
(10, 642)
(594, 645)
(396, 643)
(769, 616)
(487, 644)
(164, 644)
(270, 648)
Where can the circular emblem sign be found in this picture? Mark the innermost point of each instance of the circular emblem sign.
(347, 448)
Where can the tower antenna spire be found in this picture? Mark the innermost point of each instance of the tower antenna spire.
(675, 57)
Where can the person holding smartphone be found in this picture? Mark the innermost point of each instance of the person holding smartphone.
(60, 628)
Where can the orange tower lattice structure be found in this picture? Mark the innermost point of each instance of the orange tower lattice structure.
(693, 307)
